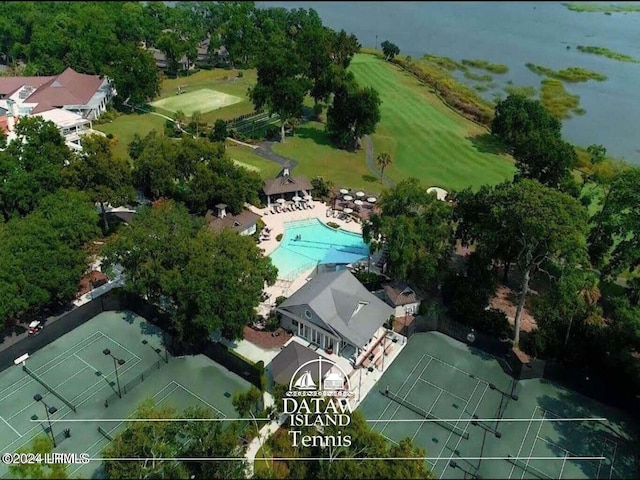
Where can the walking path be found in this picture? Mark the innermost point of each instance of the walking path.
(242, 143)
(369, 155)
(265, 150)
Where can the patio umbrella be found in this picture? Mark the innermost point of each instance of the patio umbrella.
(296, 198)
(359, 194)
(348, 211)
(280, 200)
(371, 199)
(359, 203)
(344, 191)
(348, 198)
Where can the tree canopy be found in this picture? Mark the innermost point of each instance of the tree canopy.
(389, 50)
(207, 281)
(158, 440)
(355, 112)
(417, 230)
(517, 117)
(524, 222)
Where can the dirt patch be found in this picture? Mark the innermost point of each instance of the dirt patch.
(266, 340)
(505, 301)
(90, 281)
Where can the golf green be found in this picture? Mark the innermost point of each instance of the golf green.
(425, 138)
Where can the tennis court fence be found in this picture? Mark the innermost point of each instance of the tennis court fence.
(130, 385)
(414, 408)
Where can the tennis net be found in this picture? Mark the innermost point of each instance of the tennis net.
(51, 390)
(414, 408)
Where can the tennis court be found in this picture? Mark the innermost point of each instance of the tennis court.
(203, 100)
(476, 422)
(75, 375)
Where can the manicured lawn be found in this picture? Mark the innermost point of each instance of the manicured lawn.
(316, 155)
(220, 79)
(425, 138)
(204, 100)
(125, 126)
(245, 157)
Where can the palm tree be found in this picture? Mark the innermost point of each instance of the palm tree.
(196, 118)
(590, 294)
(383, 161)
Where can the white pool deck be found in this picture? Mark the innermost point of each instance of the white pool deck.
(276, 222)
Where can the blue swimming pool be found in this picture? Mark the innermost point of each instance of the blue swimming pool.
(307, 243)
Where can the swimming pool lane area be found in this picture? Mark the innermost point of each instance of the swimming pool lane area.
(307, 243)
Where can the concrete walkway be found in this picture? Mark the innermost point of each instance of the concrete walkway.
(371, 163)
(242, 143)
(265, 150)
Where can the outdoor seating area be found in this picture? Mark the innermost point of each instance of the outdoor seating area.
(352, 206)
(297, 203)
(265, 234)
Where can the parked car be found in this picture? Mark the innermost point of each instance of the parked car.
(35, 327)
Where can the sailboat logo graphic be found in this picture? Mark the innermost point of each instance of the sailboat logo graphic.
(305, 382)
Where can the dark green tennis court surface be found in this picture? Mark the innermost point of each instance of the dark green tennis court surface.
(475, 422)
(76, 369)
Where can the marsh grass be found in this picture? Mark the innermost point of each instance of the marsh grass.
(598, 7)
(498, 68)
(478, 77)
(524, 90)
(571, 74)
(605, 52)
(558, 102)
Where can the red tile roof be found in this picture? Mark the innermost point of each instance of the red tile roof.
(9, 85)
(68, 88)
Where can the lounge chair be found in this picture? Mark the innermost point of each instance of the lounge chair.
(348, 219)
(328, 213)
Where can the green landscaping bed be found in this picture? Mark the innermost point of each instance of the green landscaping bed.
(426, 138)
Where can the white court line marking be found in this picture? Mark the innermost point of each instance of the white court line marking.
(544, 414)
(428, 413)
(444, 390)
(39, 373)
(47, 393)
(613, 459)
(170, 393)
(9, 425)
(564, 461)
(200, 398)
(401, 387)
(6, 447)
(86, 363)
(465, 427)
(100, 382)
(110, 432)
(120, 345)
(406, 395)
(524, 438)
(475, 377)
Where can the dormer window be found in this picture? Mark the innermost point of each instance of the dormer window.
(358, 308)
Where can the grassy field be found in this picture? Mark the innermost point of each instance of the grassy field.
(316, 155)
(244, 156)
(425, 138)
(125, 126)
(204, 100)
(219, 79)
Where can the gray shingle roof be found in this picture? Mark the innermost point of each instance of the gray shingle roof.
(343, 304)
(290, 358)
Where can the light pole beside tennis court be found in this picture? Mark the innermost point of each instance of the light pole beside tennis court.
(49, 409)
(116, 361)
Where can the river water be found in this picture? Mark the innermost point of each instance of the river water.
(514, 33)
